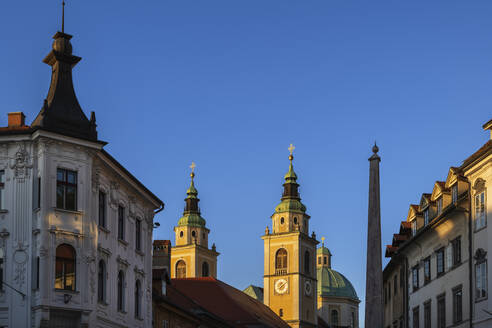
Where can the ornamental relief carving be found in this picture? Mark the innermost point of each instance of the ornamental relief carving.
(479, 185)
(96, 178)
(113, 194)
(21, 164)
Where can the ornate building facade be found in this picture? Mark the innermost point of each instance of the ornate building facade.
(75, 225)
(440, 253)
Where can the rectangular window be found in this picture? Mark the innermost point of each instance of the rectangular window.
(414, 227)
(454, 193)
(456, 251)
(457, 305)
(480, 210)
(138, 231)
(441, 312)
(37, 272)
(38, 203)
(449, 256)
(319, 260)
(415, 278)
(440, 261)
(426, 216)
(385, 295)
(415, 317)
(427, 314)
(395, 284)
(389, 290)
(66, 189)
(102, 209)
(121, 222)
(427, 270)
(439, 206)
(2, 189)
(481, 280)
(402, 277)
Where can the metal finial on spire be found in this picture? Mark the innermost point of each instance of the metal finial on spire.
(375, 148)
(192, 167)
(63, 16)
(291, 150)
(322, 241)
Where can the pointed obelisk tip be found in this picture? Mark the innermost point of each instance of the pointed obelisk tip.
(375, 148)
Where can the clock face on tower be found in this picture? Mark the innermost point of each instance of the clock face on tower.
(308, 288)
(281, 286)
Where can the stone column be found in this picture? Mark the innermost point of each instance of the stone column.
(374, 272)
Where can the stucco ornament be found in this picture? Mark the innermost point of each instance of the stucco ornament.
(21, 164)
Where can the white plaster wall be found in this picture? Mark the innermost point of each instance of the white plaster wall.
(27, 233)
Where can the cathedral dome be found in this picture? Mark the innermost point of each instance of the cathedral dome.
(334, 284)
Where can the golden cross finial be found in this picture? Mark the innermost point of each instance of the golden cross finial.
(291, 149)
(192, 167)
(323, 240)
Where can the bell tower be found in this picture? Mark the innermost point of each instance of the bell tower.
(289, 278)
(191, 257)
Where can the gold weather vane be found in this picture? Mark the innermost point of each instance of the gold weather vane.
(63, 16)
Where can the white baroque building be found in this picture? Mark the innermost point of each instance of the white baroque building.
(75, 225)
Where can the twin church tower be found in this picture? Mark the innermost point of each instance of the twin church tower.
(289, 279)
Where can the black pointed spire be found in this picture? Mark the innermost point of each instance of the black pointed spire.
(61, 112)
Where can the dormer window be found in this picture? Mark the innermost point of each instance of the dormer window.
(414, 227)
(426, 217)
(439, 206)
(454, 193)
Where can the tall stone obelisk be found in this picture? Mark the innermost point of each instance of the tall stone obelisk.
(374, 272)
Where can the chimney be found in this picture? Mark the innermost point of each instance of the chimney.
(16, 119)
(488, 126)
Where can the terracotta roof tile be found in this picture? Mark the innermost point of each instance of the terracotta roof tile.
(228, 303)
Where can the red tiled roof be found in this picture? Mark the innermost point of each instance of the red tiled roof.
(390, 250)
(228, 303)
(161, 242)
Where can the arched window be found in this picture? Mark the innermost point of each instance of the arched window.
(137, 298)
(205, 272)
(121, 292)
(101, 281)
(295, 220)
(307, 262)
(181, 269)
(281, 220)
(334, 317)
(281, 261)
(193, 233)
(181, 234)
(65, 267)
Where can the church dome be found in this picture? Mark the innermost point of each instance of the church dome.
(290, 205)
(192, 220)
(334, 284)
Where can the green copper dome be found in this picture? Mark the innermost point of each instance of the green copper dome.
(192, 220)
(333, 284)
(290, 205)
(323, 250)
(290, 175)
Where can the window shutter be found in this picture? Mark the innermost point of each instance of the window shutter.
(449, 256)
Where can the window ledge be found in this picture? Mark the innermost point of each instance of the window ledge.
(68, 211)
(103, 303)
(480, 229)
(122, 311)
(4, 211)
(69, 291)
(124, 242)
(139, 252)
(478, 300)
(103, 229)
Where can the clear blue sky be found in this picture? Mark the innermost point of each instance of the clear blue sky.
(230, 84)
